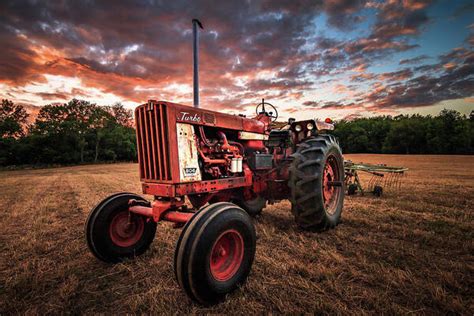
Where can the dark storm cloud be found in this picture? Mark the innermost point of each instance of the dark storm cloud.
(396, 22)
(336, 105)
(49, 96)
(258, 85)
(394, 76)
(311, 103)
(333, 105)
(467, 8)
(454, 80)
(16, 60)
(343, 13)
(399, 75)
(452, 77)
(414, 60)
(136, 48)
(352, 117)
(152, 41)
(403, 22)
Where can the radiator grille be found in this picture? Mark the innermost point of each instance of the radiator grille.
(152, 141)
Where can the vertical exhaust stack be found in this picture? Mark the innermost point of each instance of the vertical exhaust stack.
(196, 23)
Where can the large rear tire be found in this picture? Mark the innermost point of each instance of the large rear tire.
(253, 207)
(317, 183)
(215, 252)
(114, 234)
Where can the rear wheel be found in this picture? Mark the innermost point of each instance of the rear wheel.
(114, 234)
(317, 183)
(215, 252)
(253, 207)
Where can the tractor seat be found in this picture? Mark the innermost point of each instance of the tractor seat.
(278, 138)
(279, 133)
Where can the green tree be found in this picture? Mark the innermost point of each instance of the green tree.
(121, 115)
(13, 119)
(67, 127)
(455, 131)
(100, 121)
(13, 122)
(113, 129)
(406, 136)
(80, 131)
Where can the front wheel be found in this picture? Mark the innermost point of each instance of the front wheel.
(215, 252)
(114, 233)
(317, 183)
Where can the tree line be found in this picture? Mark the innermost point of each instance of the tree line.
(70, 133)
(449, 132)
(83, 132)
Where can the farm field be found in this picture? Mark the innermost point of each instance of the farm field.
(410, 251)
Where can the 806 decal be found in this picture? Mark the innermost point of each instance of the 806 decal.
(189, 172)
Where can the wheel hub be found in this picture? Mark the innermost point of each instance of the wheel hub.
(330, 192)
(126, 229)
(226, 255)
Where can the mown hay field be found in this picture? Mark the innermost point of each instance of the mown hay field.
(409, 251)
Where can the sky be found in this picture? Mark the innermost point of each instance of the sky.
(335, 58)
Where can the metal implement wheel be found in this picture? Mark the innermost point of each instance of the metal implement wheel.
(317, 183)
(352, 189)
(215, 252)
(378, 190)
(114, 234)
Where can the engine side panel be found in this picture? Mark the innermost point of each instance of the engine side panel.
(172, 145)
(188, 154)
(195, 116)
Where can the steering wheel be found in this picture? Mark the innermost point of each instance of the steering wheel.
(271, 114)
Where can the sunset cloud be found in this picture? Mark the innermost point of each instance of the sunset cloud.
(118, 51)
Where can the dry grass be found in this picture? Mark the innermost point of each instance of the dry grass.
(402, 253)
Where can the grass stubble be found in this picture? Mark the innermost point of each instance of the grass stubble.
(410, 251)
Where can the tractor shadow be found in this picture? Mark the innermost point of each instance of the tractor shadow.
(277, 217)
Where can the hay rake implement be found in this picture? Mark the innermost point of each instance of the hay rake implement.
(382, 176)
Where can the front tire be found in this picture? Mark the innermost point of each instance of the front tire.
(215, 252)
(317, 183)
(114, 234)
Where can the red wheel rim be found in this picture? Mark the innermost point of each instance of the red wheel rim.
(330, 192)
(126, 229)
(226, 255)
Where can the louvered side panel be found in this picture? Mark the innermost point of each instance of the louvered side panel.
(141, 142)
(165, 143)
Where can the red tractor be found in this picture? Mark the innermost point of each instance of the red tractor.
(228, 167)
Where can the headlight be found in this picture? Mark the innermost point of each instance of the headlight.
(298, 128)
(310, 126)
